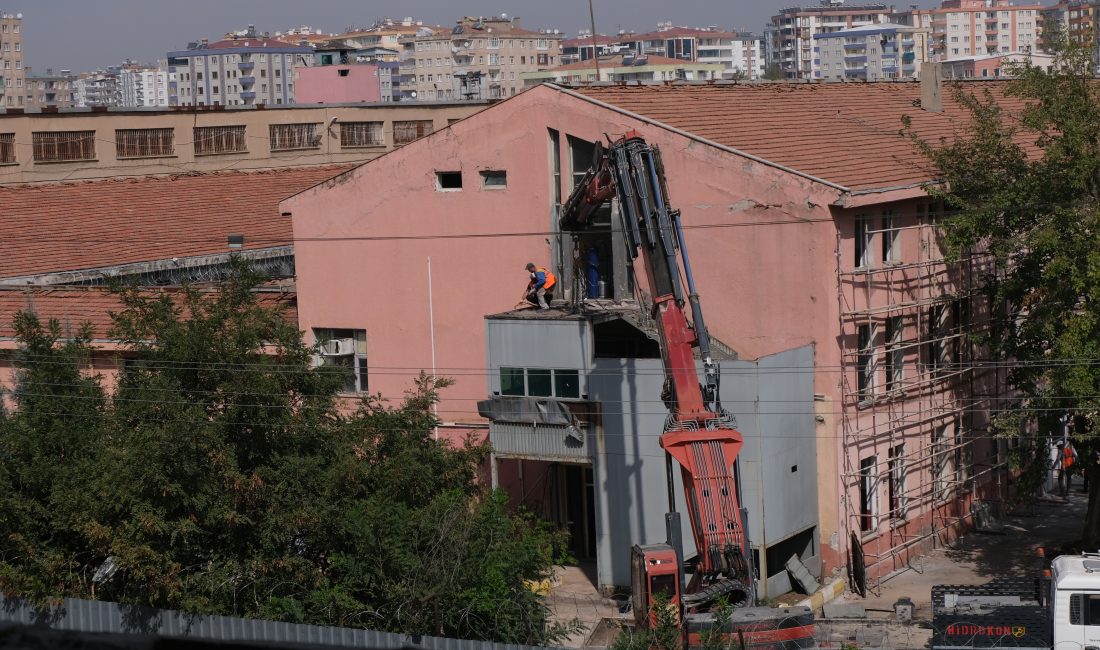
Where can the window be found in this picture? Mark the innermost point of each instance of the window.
(891, 236)
(219, 139)
(896, 467)
(580, 154)
(361, 134)
(555, 165)
(494, 179)
(7, 148)
(868, 494)
(895, 354)
(1084, 609)
(405, 131)
(865, 363)
(345, 349)
(936, 347)
(63, 146)
(540, 382)
(286, 137)
(448, 181)
(144, 143)
(863, 242)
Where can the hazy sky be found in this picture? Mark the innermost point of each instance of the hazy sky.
(86, 34)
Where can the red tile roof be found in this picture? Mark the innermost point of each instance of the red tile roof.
(73, 307)
(844, 133)
(93, 224)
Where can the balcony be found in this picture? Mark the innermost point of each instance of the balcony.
(852, 58)
(247, 81)
(248, 94)
(246, 66)
(907, 41)
(854, 46)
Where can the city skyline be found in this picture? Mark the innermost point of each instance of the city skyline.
(112, 37)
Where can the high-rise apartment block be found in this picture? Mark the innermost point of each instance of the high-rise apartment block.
(881, 52)
(480, 58)
(964, 28)
(12, 74)
(50, 90)
(789, 38)
(238, 71)
(144, 86)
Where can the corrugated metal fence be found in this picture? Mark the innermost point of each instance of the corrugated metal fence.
(93, 616)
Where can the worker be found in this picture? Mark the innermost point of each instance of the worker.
(593, 275)
(540, 290)
(1067, 456)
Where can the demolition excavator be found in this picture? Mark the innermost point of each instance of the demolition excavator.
(699, 435)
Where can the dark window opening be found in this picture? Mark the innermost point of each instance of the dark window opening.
(618, 339)
(448, 180)
(511, 382)
(867, 494)
(494, 178)
(801, 545)
(343, 73)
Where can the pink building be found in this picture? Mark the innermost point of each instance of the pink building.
(807, 226)
(339, 84)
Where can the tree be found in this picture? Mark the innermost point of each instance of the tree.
(774, 73)
(1025, 186)
(222, 476)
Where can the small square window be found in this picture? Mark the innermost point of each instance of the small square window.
(343, 73)
(448, 180)
(538, 383)
(511, 382)
(494, 179)
(567, 383)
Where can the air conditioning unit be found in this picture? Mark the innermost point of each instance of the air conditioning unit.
(338, 347)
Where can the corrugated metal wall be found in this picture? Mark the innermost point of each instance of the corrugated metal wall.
(93, 616)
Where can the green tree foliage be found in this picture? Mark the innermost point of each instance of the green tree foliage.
(774, 73)
(221, 476)
(1023, 182)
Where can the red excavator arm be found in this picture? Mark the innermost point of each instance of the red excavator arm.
(698, 434)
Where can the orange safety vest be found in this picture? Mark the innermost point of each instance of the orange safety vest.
(550, 279)
(1067, 457)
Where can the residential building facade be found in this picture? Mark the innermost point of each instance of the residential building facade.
(964, 28)
(339, 84)
(50, 90)
(480, 58)
(12, 72)
(628, 68)
(79, 144)
(789, 37)
(144, 86)
(902, 449)
(877, 52)
(740, 54)
(1079, 20)
(241, 71)
(101, 88)
(992, 66)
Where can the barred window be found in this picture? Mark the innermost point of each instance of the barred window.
(7, 148)
(63, 146)
(294, 136)
(361, 134)
(144, 143)
(219, 139)
(409, 130)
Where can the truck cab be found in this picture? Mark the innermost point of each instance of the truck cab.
(1075, 601)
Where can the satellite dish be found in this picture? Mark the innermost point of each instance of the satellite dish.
(466, 44)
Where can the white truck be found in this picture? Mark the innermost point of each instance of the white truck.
(1059, 609)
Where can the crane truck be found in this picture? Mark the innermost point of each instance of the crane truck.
(1058, 609)
(698, 434)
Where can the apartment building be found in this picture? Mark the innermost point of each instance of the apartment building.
(387, 36)
(873, 52)
(628, 68)
(79, 144)
(101, 88)
(1079, 20)
(480, 58)
(741, 55)
(965, 28)
(12, 72)
(144, 86)
(789, 37)
(50, 90)
(574, 50)
(238, 71)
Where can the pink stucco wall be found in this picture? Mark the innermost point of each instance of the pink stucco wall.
(327, 85)
(763, 243)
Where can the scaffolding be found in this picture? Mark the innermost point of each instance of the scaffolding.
(913, 402)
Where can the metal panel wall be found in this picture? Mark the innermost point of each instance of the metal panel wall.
(95, 616)
(541, 442)
(531, 343)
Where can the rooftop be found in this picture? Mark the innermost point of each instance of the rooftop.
(864, 29)
(629, 61)
(855, 142)
(75, 306)
(50, 228)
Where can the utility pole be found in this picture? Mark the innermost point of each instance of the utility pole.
(595, 46)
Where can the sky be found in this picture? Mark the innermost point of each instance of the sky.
(82, 35)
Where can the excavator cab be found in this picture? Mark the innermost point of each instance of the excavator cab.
(654, 573)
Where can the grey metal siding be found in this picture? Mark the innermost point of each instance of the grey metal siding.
(542, 442)
(93, 616)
